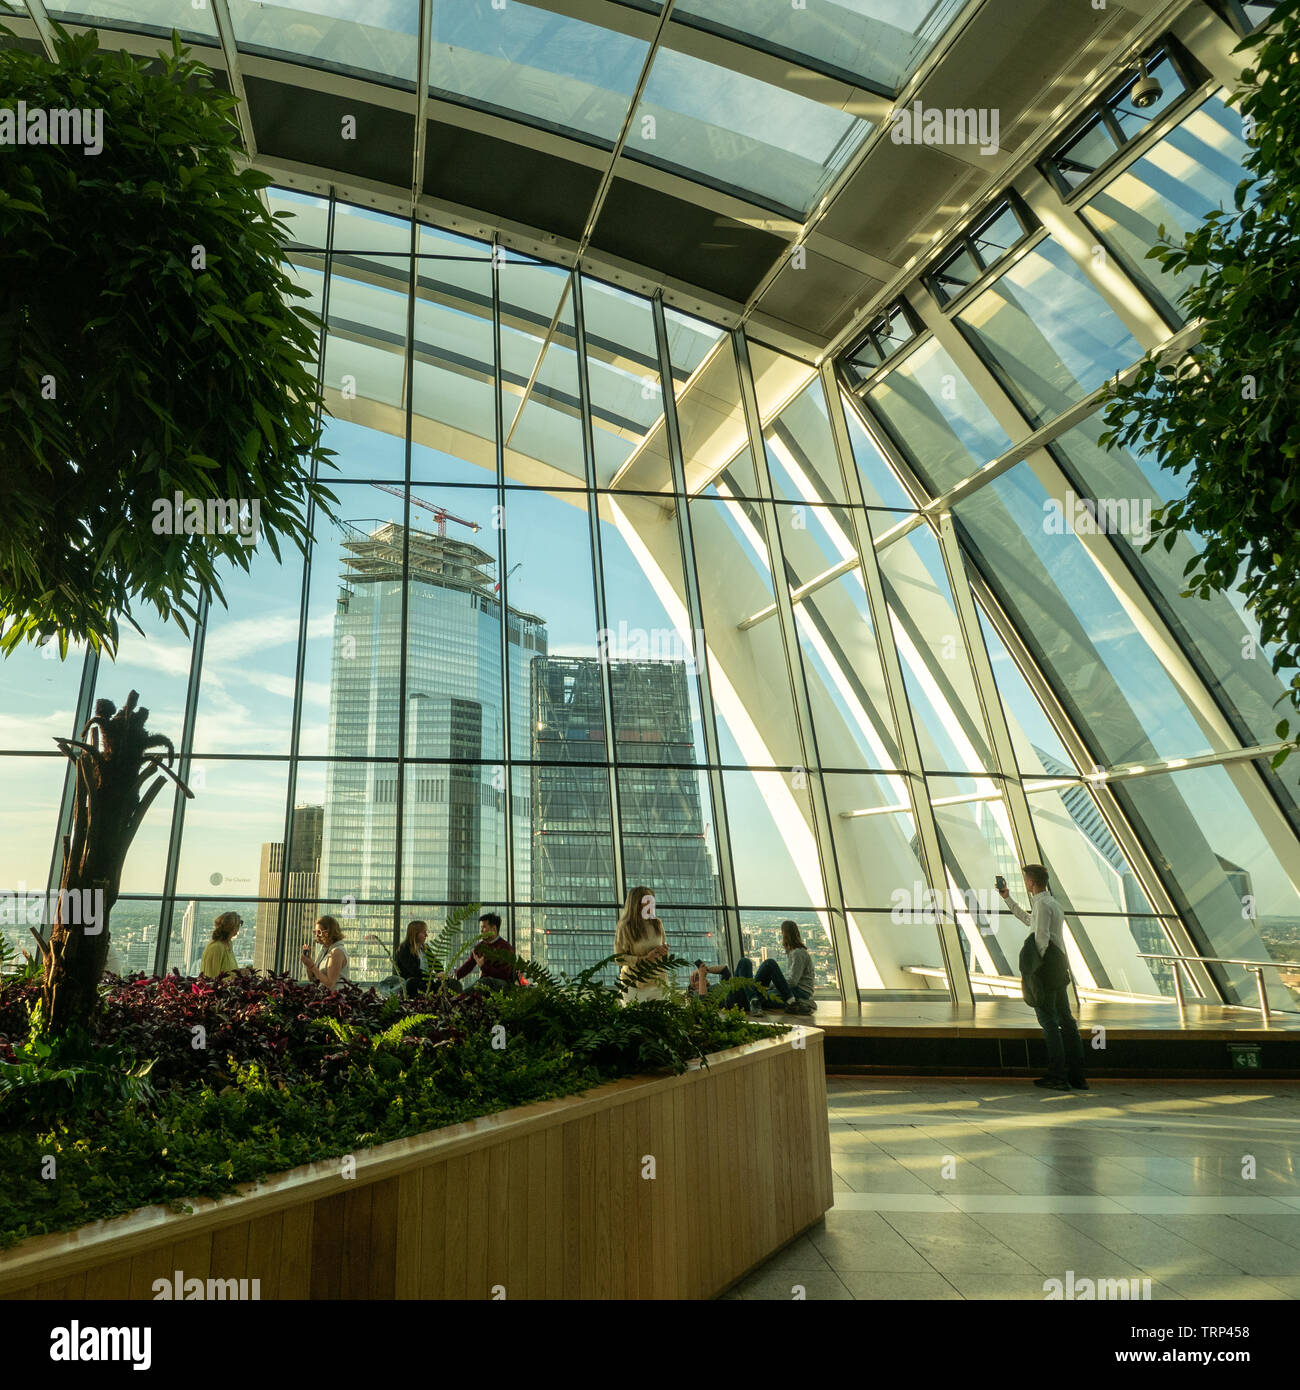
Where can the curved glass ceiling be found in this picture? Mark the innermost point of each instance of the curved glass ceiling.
(716, 123)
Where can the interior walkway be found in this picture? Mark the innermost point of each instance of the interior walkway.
(1132, 1179)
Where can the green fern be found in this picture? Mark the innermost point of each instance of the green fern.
(390, 1037)
(453, 940)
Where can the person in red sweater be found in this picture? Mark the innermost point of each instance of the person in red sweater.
(493, 955)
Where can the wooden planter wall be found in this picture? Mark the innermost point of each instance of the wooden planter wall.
(545, 1201)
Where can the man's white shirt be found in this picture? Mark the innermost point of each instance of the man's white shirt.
(1045, 916)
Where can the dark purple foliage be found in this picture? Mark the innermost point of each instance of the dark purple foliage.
(247, 1018)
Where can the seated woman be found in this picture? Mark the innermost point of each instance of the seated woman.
(410, 957)
(218, 958)
(333, 963)
(796, 986)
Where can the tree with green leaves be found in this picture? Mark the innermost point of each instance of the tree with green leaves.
(159, 407)
(1226, 416)
(150, 345)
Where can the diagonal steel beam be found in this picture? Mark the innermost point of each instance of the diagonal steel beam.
(41, 19)
(230, 50)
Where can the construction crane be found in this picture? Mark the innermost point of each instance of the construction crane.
(440, 514)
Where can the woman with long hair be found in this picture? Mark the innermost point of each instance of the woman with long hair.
(639, 937)
(410, 956)
(333, 963)
(795, 983)
(218, 956)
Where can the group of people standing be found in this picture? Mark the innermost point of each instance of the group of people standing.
(639, 942)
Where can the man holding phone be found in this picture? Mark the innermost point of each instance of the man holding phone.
(1050, 974)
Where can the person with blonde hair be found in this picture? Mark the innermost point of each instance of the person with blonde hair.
(640, 937)
(218, 957)
(410, 956)
(332, 967)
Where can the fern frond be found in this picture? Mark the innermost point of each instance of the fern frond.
(453, 940)
(344, 1032)
(391, 1036)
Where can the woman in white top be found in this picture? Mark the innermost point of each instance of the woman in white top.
(639, 937)
(333, 963)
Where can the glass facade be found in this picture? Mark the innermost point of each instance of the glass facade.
(612, 595)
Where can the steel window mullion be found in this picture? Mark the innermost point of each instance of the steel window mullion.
(502, 566)
(913, 767)
(399, 792)
(304, 602)
(695, 614)
(84, 709)
(598, 581)
(167, 908)
(828, 864)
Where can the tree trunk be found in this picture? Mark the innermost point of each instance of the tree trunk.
(110, 802)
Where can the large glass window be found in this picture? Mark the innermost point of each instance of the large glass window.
(1048, 332)
(1195, 168)
(499, 677)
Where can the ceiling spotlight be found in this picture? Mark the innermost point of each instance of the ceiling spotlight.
(1146, 91)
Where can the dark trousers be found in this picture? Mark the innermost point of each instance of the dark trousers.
(1061, 1033)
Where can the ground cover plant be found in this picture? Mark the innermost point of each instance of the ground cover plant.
(182, 1088)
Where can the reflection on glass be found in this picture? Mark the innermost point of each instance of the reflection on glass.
(1195, 168)
(322, 34)
(1220, 632)
(773, 848)
(535, 65)
(1224, 875)
(1048, 332)
(453, 376)
(747, 668)
(881, 42)
(937, 672)
(937, 418)
(737, 132)
(1108, 677)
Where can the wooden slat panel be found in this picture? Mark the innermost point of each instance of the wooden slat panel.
(496, 1223)
(327, 1247)
(409, 1243)
(458, 1219)
(265, 1234)
(520, 1221)
(109, 1280)
(433, 1231)
(478, 1197)
(539, 1205)
(355, 1257)
(297, 1251)
(555, 1248)
(383, 1239)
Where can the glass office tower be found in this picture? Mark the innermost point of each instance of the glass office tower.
(453, 828)
(663, 840)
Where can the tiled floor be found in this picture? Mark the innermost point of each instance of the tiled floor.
(988, 1189)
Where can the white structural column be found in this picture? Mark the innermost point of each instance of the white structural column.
(690, 595)
(820, 810)
(927, 830)
(1066, 227)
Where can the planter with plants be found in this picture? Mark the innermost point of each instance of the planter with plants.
(186, 1089)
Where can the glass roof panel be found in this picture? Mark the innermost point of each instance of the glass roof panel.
(741, 134)
(324, 34)
(535, 66)
(880, 42)
(162, 15)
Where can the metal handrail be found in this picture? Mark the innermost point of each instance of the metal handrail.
(1256, 966)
